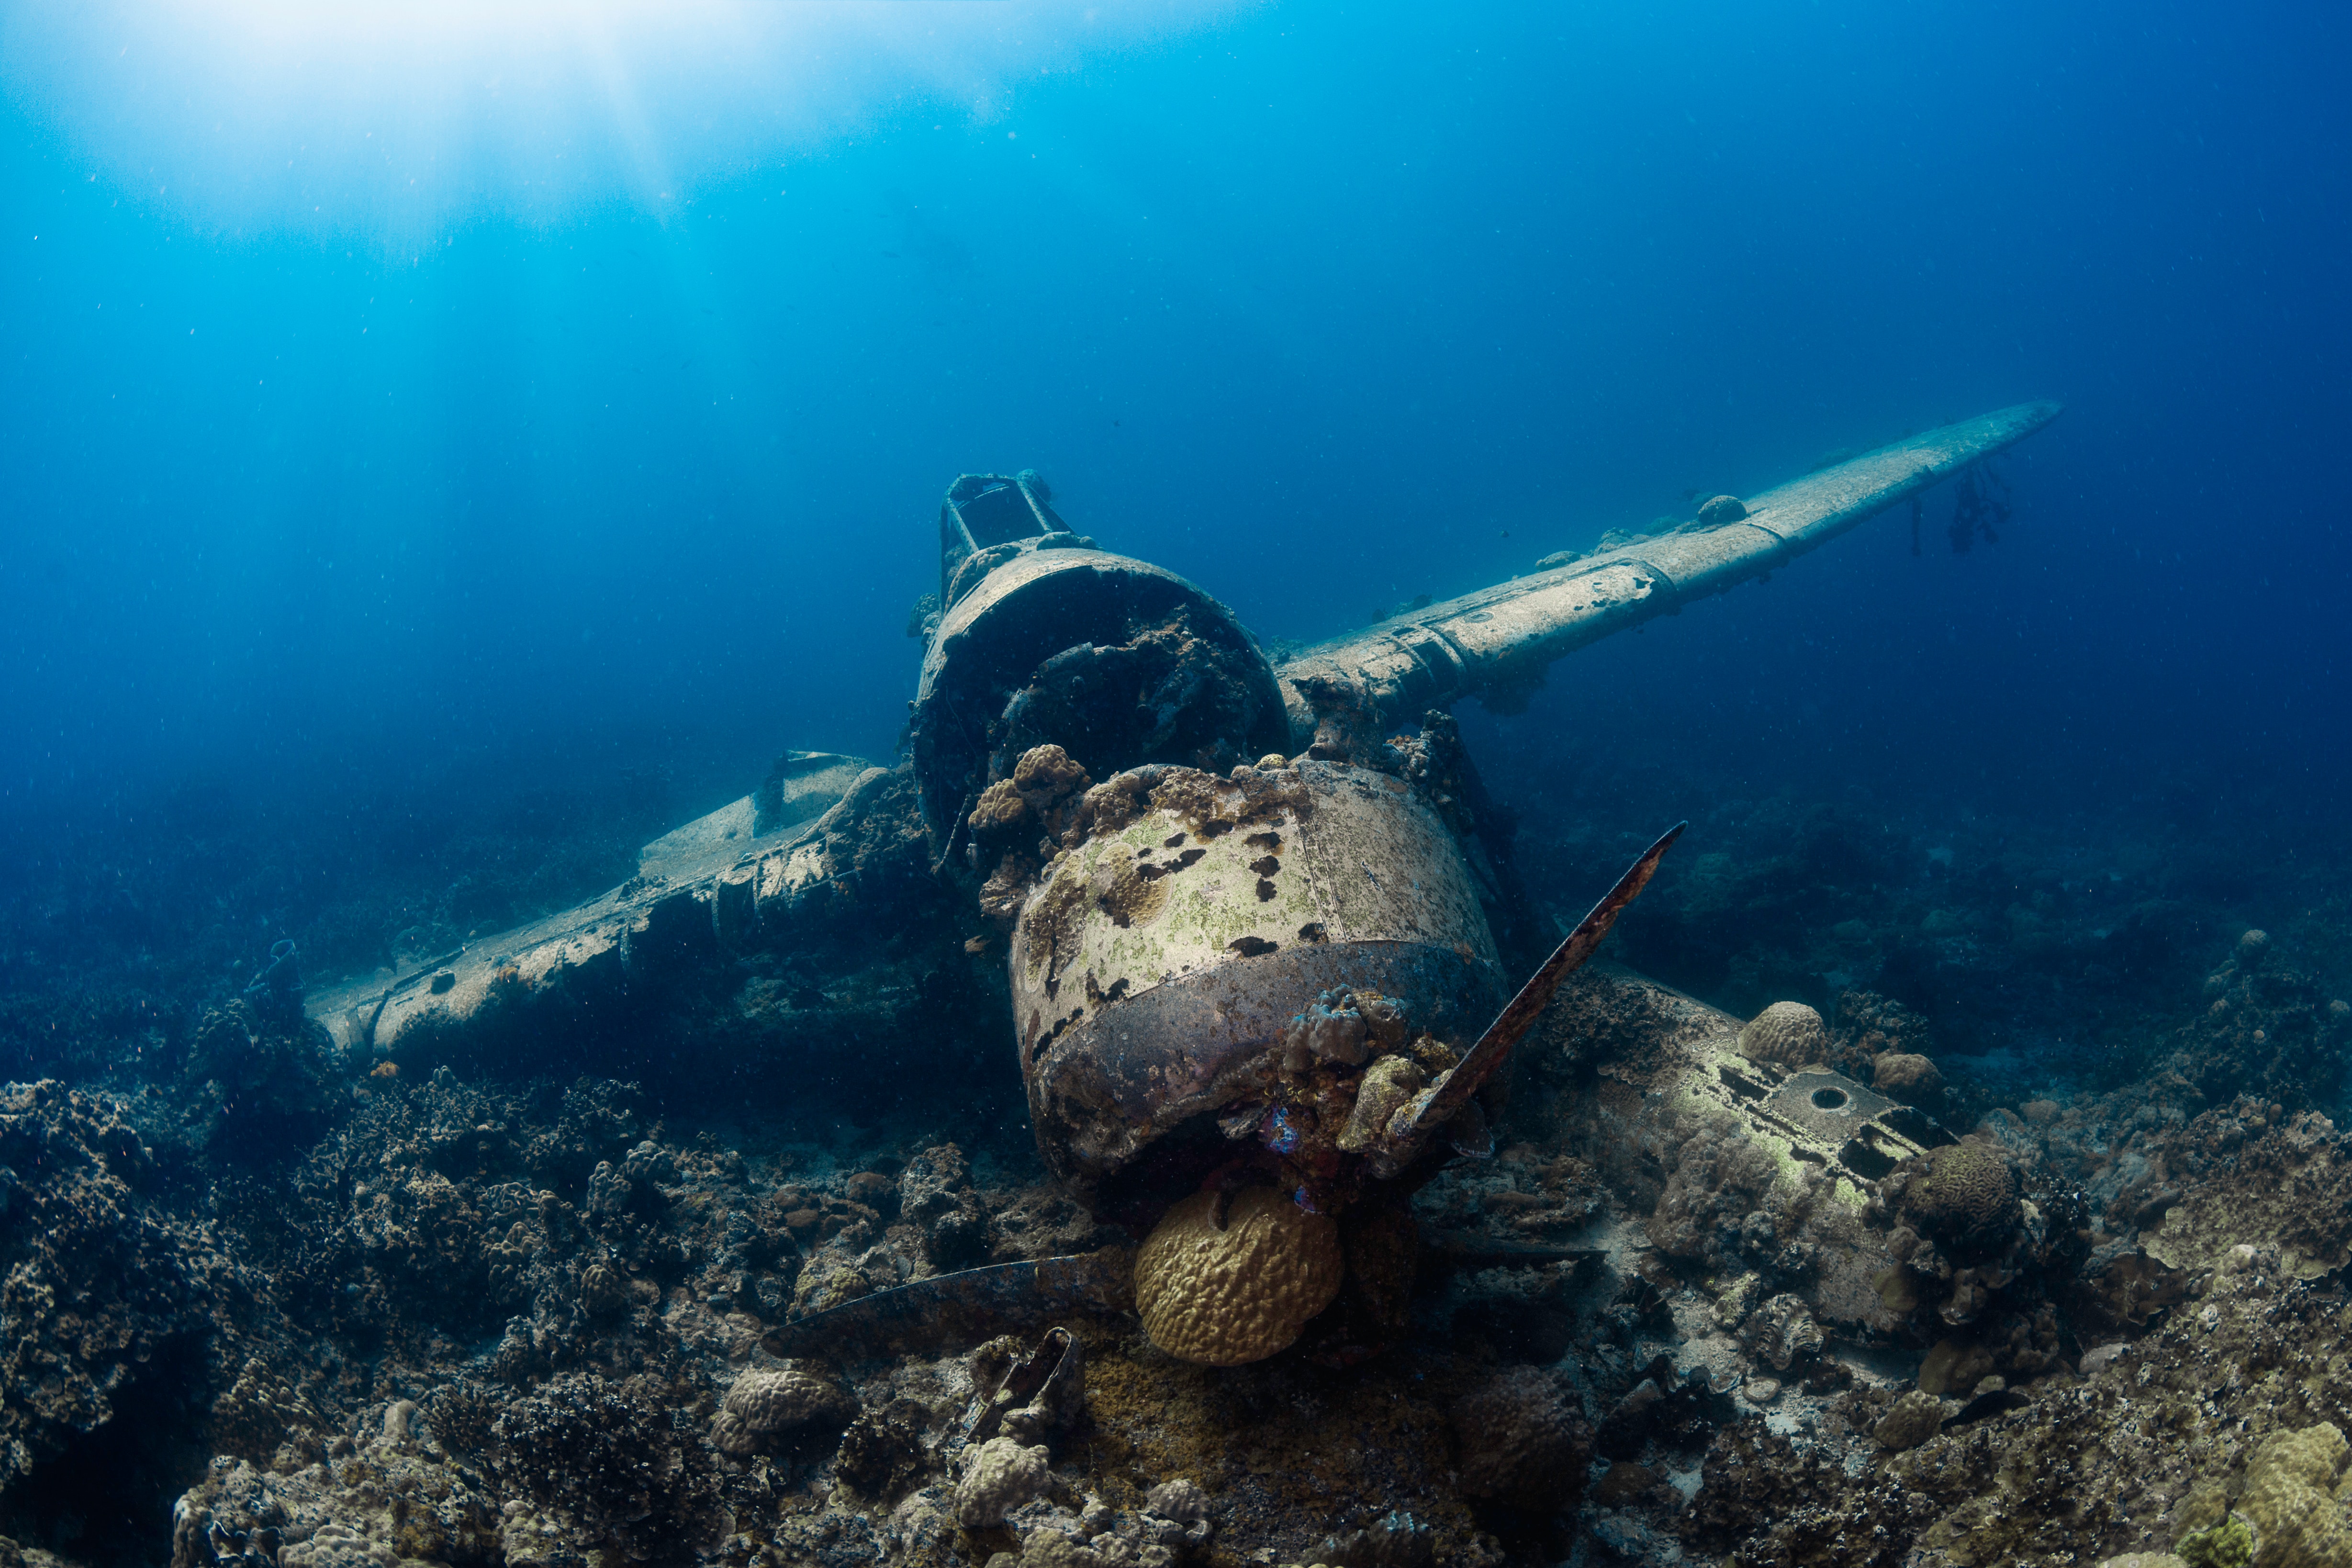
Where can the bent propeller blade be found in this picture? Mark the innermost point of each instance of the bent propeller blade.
(1494, 1046)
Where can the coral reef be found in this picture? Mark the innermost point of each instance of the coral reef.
(2267, 1029)
(94, 1284)
(610, 1463)
(936, 1196)
(390, 1497)
(517, 1307)
(1701, 1398)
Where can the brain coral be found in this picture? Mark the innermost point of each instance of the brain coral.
(1965, 1196)
(1786, 1032)
(761, 1403)
(1225, 1296)
(1906, 1078)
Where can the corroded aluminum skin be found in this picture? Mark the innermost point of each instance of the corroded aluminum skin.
(692, 884)
(1450, 650)
(1126, 1031)
(1007, 581)
(1027, 608)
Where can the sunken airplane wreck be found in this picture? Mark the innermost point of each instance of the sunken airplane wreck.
(1266, 961)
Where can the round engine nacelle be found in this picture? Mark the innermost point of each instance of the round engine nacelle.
(1224, 967)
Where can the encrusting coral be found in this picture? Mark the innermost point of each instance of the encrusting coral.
(999, 1475)
(2290, 1499)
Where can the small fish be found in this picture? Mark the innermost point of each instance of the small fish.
(1279, 1133)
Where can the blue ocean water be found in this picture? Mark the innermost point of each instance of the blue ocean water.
(444, 443)
(395, 398)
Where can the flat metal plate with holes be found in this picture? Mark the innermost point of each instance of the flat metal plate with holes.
(1828, 1119)
(1829, 1105)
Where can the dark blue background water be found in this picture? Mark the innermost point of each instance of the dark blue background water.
(313, 477)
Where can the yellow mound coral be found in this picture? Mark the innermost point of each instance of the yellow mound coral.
(1787, 1032)
(999, 806)
(2291, 1502)
(1048, 771)
(1225, 1294)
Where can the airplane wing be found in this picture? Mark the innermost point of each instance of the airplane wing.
(1505, 635)
(844, 839)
